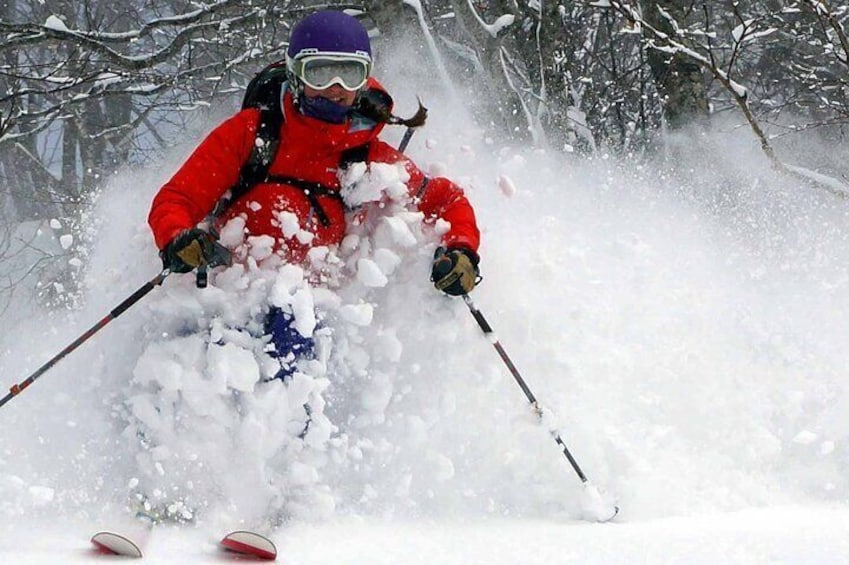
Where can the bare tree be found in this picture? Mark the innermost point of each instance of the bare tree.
(88, 87)
(729, 45)
(89, 82)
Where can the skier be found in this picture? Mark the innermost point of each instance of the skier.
(328, 68)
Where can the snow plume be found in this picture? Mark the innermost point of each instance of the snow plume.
(417, 395)
(388, 403)
(219, 436)
(683, 322)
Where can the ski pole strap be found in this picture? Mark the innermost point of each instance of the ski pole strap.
(202, 276)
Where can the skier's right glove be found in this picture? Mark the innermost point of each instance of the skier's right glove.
(455, 270)
(191, 249)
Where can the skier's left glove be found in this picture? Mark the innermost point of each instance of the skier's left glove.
(191, 249)
(455, 270)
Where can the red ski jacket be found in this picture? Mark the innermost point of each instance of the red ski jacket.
(310, 149)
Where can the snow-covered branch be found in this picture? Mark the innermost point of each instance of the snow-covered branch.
(75, 93)
(494, 28)
(28, 34)
(682, 43)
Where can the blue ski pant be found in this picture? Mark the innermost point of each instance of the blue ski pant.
(286, 339)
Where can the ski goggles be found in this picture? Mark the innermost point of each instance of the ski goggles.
(324, 70)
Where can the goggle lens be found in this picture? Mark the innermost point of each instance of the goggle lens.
(320, 73)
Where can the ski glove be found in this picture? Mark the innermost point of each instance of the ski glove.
(191, 249)
(455, 270)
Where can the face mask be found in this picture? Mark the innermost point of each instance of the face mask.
(323, 109)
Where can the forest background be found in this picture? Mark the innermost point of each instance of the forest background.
(89, 87)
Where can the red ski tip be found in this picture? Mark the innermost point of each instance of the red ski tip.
(115, 544)
(250, 543)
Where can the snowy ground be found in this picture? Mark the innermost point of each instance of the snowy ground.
(777, 535)
(687, 331)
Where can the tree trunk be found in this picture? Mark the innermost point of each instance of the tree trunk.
(679, 79)
(562, 117)
(395, 20)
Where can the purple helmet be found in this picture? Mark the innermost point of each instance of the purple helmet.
(326, 48)
(331, 32)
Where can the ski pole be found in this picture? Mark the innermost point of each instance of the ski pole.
(535, 406)
(117, 311)
(412, 124)
(406, 139)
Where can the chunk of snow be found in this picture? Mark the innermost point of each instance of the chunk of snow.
(303, 309)
(370, 274)
(386, 260)
(233, 233)
(289, 223)
(381, 179)
(395, 230)
(357, 314)
(305, 237)
(261, 246)
(235, 365)
(289, 279)
(53, 22)
(805, 437)
(506, 186)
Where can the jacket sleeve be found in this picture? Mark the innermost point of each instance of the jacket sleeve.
(437, 197)
(206, 175)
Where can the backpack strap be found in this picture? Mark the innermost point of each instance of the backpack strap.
(263, 92)
(312, 190)
(255, 169)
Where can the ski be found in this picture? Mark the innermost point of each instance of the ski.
(249, 543)
(116, 544)
(240, 541)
